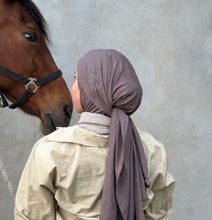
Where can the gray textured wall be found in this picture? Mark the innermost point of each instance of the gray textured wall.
(169, 42)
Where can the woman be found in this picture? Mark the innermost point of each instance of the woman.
(101, 168)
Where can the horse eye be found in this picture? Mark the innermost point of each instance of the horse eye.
(31, 37)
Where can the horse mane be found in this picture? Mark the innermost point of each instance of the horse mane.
(33, 10)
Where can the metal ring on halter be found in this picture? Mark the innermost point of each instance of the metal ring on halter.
(32, 81)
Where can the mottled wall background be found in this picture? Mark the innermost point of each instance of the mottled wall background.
(169, 42)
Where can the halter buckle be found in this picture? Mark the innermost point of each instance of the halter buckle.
(3, 101)
(32, 81)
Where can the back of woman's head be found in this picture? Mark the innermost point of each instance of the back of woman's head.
(108, 85)
(106, 80)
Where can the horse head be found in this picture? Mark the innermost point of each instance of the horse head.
(24, 50)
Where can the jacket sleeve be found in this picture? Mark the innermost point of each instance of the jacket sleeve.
(35, 194)
(158, 204)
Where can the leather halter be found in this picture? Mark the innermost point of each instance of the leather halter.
(37, 83)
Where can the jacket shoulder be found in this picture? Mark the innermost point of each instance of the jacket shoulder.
(150, 141)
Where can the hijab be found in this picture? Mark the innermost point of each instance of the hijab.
(109, 85)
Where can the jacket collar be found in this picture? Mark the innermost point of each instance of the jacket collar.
(78, 135)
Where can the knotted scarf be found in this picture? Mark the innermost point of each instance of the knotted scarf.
(109, 85)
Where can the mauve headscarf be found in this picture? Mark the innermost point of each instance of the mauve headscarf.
(108, 85)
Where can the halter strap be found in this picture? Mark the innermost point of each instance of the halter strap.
(4, 71)
(37, 83)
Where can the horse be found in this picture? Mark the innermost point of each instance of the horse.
(29, 77)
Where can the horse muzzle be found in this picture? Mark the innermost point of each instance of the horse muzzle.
(53, 119)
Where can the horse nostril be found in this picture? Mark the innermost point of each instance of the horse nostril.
(68, 111)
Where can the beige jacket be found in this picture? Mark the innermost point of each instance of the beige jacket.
(64, 175)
